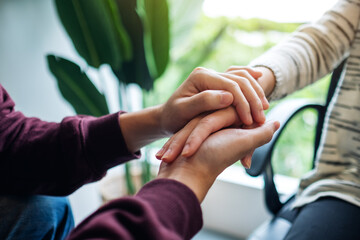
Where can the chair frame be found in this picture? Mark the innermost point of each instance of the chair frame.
(284, 113)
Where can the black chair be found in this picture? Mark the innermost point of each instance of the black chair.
(283, 217)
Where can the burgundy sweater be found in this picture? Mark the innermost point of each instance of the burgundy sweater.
(38, 157)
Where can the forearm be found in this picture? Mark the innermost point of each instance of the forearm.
(142, 127)
(313, 51)
(163, 209)
(39, 157)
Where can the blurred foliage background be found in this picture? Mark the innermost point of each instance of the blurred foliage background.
(157, 44)
(218, 43)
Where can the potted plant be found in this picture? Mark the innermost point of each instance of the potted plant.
(133, 38)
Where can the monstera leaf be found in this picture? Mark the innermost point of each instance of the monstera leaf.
(96, 31)
(77, 88)
(155, 16)
(136, 69)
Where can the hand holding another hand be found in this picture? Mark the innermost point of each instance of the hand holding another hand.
(218, 151)
(189, 139)
(206, 90)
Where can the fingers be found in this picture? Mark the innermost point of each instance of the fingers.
(246, 161)
(208, 125)
(261, 135)
(175, 144)
(242, 142)
(203, 79)
(255, 85)
(253, 94)
(205, 101)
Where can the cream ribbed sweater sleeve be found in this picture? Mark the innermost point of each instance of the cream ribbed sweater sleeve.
(314, 50)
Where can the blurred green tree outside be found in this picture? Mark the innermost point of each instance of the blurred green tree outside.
(218, 43)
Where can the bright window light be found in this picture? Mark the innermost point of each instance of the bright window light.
(275, 10)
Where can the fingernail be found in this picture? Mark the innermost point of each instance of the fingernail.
(185, 151)
(159, 154)
(166, 155)
(249, 120)
(262, 115)
(265, 103)
(246, 162)
(247, 165)
(277, 125)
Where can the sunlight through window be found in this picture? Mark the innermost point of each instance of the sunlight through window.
(275, 10)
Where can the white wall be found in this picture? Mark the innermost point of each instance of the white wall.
(29, 31)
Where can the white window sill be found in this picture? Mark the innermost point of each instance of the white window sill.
(237, 175)
(235, 205)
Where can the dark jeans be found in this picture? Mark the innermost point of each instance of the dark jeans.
(327, 218)
(35, 217)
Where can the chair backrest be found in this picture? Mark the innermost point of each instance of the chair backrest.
(284, 112)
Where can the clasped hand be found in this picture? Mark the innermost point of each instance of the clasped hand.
(247, 112)
(216, 137)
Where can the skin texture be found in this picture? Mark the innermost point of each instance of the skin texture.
(199, 171)
(204, 91)
(266, 80)
(208, 109)
(187, 141)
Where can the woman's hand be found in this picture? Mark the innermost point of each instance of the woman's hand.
(219, 151)
(263, 75)
(206, 90)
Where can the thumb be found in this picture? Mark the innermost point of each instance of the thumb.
(204, 101)
(263, 134)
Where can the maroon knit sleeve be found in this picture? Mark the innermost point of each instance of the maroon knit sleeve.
(163, 209)
(38, 157)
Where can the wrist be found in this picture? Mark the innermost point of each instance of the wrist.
(141, 128)
(267, 81)
(193, 177)
(159, 116)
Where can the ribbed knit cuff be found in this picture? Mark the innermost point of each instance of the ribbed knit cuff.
(104, 143)
(278, 91)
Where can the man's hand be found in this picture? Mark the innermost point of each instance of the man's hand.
(188, 140)
(219, 151)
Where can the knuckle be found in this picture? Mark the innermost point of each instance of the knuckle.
(244, 81)
(232, 68)
(255, 103)
(175, 143)
(205, 99)
(233, 85)
(242, 72)
(207, 121)
(193, 139)
(199, 70)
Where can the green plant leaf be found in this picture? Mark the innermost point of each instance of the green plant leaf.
(96, 31)
(134, 70)
(155, 16)
(77, 88)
